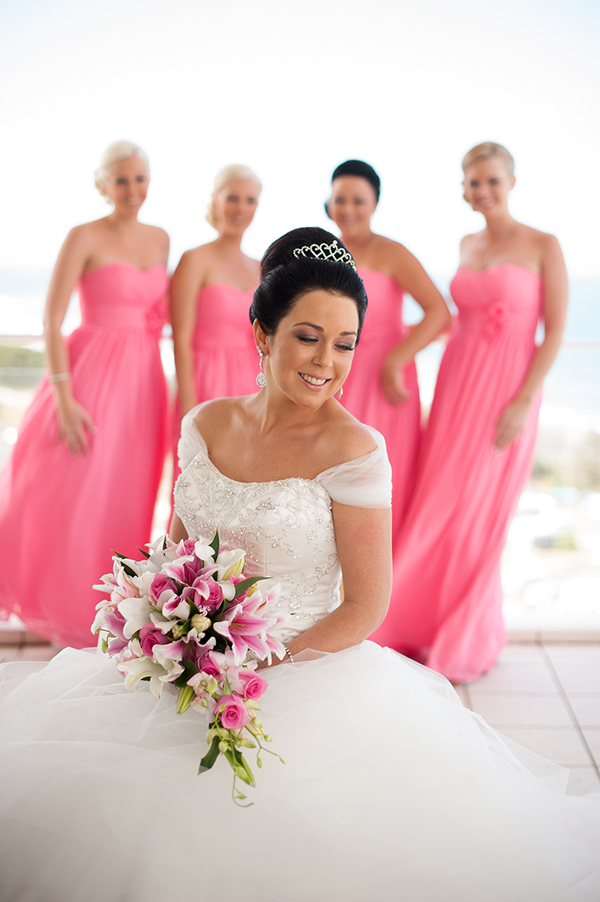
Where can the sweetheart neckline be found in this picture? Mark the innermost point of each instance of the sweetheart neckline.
(478, 272)
(123, 263)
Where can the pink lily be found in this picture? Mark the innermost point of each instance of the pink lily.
(245, 629)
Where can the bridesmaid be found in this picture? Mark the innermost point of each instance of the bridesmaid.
(479, 446)
(211, 293)
(74, 490)
(382, 389)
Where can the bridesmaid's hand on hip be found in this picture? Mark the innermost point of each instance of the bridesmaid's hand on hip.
(392, 382)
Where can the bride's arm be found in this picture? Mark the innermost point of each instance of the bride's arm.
(365, 549)
(364, 546)
(177, 531)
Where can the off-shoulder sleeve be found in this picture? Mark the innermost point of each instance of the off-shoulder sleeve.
(364, 482)
(191, 442)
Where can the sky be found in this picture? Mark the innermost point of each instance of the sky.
(293, 89)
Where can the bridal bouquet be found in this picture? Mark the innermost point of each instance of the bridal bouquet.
(187, 615)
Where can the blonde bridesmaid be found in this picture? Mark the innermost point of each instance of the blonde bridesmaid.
(480, 442)
(84, 474)
(211, 293)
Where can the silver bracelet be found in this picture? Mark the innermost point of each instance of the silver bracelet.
(288, 653)
(58, 377)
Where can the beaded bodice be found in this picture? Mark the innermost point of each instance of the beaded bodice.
(285, 527)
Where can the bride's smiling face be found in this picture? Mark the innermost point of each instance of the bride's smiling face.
(310, 354)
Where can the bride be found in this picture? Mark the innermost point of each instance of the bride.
(391, 790)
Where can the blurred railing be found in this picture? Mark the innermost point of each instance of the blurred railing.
(551, 565)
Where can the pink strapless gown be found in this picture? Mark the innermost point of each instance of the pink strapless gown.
(447, 596)
(61, 516)
(225, 356)
(363, 395)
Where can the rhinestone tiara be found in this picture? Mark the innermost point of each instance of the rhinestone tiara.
(331, 252)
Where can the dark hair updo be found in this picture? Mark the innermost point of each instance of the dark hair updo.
(285, 278)
(362, 170)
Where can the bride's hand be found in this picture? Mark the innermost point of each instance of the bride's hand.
(74, 422)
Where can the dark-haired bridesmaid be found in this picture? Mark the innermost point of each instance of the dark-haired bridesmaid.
(382, 389)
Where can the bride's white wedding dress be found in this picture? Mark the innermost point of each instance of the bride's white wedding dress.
(391, 789)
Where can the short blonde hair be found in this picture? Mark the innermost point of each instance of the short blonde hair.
(118, 150)
(485, 151)
(223, 177)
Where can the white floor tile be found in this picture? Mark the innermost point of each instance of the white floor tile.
(514, 676)
(592, 737)
(578, 677)
(9, 653)
(520, 710)
(586, 709)
(575, 652)
(463, 694)
(558, 744)
(521, 653)
(37, 653)
(583, 780)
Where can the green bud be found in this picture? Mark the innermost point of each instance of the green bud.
(184, 698)
(246, 743)
(223, 747)
(259, 761)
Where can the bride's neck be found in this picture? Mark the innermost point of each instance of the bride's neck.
(282, 415)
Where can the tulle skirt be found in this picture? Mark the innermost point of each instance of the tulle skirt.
(391, 790)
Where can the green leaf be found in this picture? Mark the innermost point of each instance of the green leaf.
(125, 566)
(189, 670)
(246, 584)
(145, 553)
(211, 756)
(215, 544)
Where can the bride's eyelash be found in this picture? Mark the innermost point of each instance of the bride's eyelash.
(310, 340)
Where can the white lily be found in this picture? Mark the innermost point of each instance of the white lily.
(136, 612)
(136, 669)
(230, 563)
(204, 551)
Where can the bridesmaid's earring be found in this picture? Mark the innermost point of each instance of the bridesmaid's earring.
(261, 379)
(340, 393)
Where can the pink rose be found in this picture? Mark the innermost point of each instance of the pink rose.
(234, 715)
(215, 596)
(206, 664)
(149, 637)
(254, 684)
(161, 584)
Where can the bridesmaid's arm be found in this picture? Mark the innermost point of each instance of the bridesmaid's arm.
(73, 419)
(364, 542)
(185, 285)
(408, 272)
(513, 418)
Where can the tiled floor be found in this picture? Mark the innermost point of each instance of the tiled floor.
(546, 697)
(543, 695)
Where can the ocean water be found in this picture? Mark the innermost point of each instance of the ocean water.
(573, 383)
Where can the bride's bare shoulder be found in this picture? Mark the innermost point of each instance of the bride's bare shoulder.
(346, 439)
(216, 414)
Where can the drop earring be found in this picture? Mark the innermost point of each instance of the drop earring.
(261, 379)
(340, 393)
